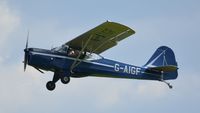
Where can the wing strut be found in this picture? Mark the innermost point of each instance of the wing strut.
(75, 61)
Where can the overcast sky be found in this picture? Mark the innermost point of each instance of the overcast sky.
(51, 23)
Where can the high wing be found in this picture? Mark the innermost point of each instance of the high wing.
(101, 38)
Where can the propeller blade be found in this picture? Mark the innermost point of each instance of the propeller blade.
(27, 40)
(25, 61)
(25, 52)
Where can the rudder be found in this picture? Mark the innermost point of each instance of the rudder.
(163, 60)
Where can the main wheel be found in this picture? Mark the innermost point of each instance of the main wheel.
(50, 85)
(65, 79)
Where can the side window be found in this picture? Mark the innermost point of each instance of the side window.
(75, 54)
(93, 56)
(65, 49)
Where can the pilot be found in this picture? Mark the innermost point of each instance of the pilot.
(73, 53)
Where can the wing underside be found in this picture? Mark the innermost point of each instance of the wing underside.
(101, 38)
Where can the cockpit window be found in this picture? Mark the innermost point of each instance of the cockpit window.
(93, 56)
(55, 49)
(62, 49)
(75, 53)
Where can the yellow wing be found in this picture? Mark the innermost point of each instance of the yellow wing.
(101, 38)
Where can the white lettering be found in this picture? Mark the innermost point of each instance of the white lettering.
(138, 70)
(133, 70)
(128, 69)
(125, 69)
(116, 67)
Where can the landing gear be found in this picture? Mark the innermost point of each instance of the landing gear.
(162, 80)
(50, 85)
(169, 85)
(65, 78)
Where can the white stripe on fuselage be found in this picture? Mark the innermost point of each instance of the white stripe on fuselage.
(65, 57)
(128, 69)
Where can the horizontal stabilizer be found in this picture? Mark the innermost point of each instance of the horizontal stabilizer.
(168, 68)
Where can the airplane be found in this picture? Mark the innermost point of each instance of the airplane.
(80, 57)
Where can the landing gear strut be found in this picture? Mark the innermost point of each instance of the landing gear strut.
(51, 85)
(169, 85)
(162, 80)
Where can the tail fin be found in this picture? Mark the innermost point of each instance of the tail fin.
(163, 60)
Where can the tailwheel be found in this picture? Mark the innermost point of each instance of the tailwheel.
(65, 79)
(168, 84)
(51, 85)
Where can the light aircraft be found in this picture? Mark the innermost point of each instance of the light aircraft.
(81, 57)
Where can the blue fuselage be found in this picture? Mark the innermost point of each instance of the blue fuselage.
(55, 61)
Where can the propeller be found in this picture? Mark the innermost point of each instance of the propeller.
(26, 53)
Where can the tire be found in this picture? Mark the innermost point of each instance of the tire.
(65, 79)
(50, 86)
